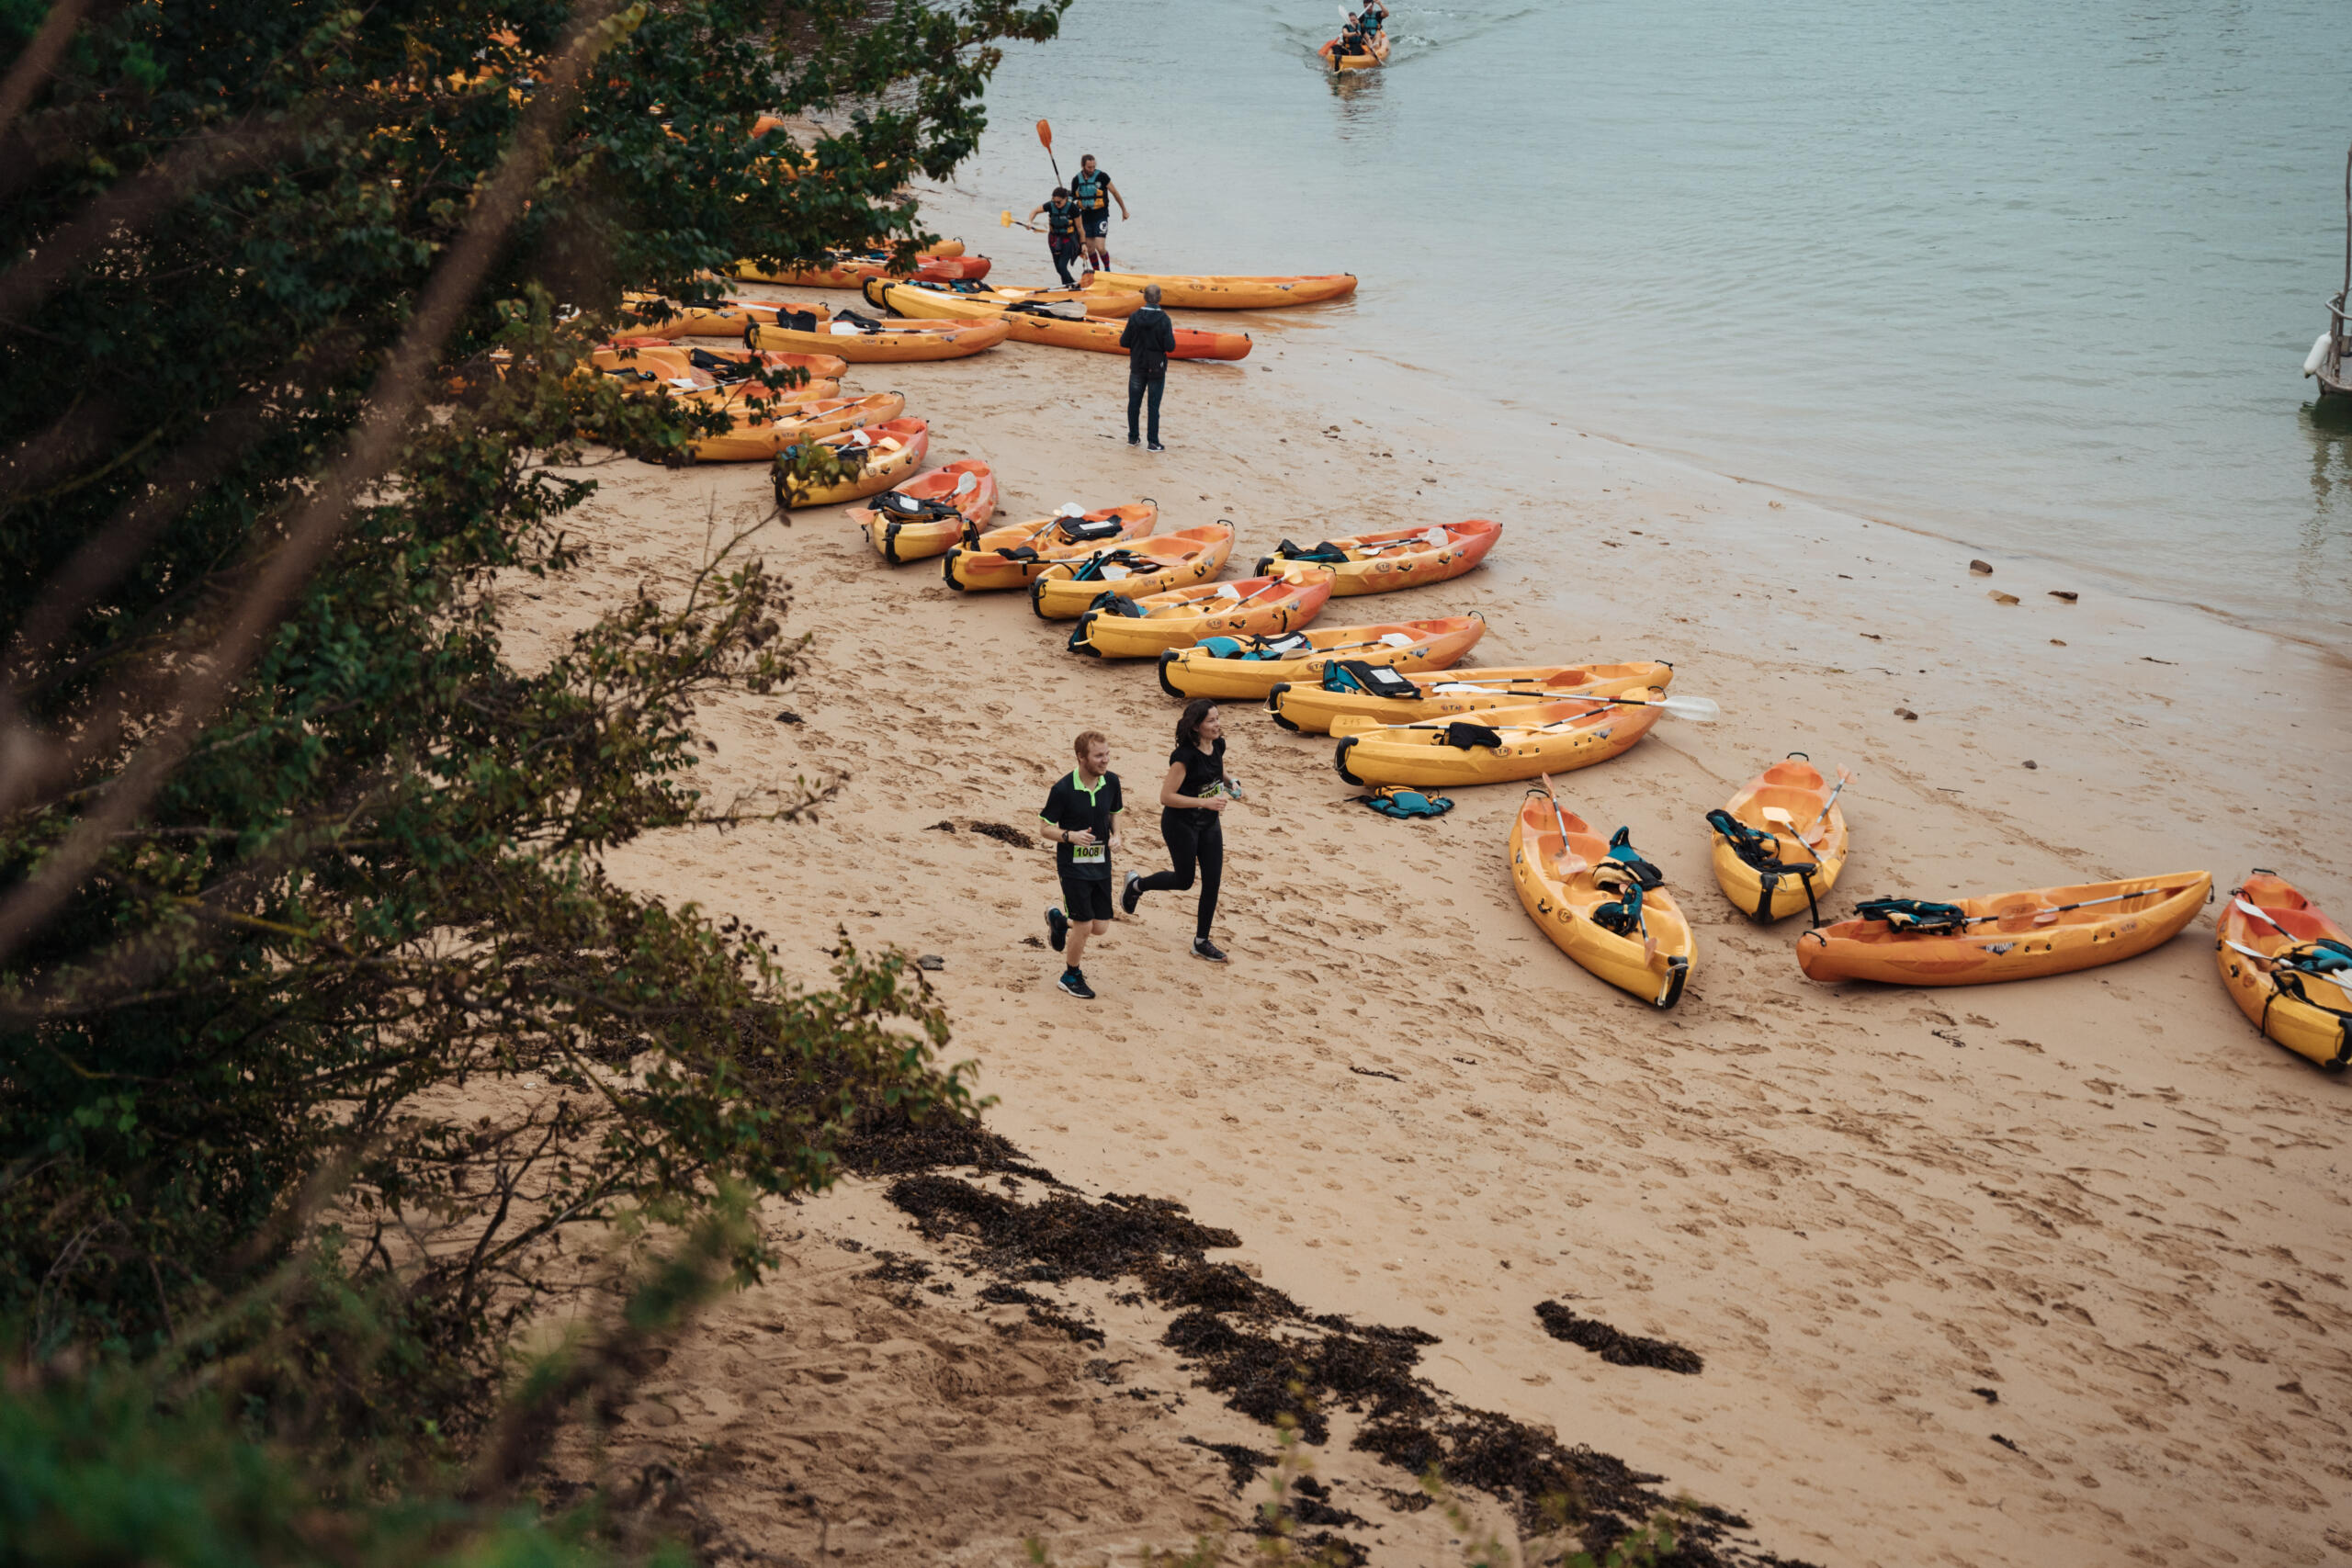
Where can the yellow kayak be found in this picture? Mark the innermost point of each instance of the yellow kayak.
(872, 459)
(1495, 746)
(1560, 866)
(1205, 293)
(1148, 627)
(1311, 707)
(1781, 842)
(893, 343)
(1227, 669)
(986, 302)
(1401, 558)
(1068, 588)
(2289, 967)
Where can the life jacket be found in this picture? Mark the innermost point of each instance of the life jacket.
(1089, 192)
(1324, 554)
(1914, 916)
(1624, 873)
(1393, 800)
(1284, 646)
(1061, 222)
(1373, 679)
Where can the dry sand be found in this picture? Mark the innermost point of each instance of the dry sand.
(2102, 1198)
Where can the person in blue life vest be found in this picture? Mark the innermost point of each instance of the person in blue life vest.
(1375, 18)
(1093, 191)
(1061, 232)
(1081, 821)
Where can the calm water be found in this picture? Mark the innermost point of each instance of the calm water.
(2038, 278)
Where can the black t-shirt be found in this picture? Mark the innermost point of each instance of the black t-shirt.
(1202, 769)
(1073, 807)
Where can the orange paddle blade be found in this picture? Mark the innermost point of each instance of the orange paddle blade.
(1045, 134)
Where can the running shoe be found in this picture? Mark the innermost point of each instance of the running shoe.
(1155, 446)
(1204, 948)
(1132, 894)
(1075, 984)
(1056, 927)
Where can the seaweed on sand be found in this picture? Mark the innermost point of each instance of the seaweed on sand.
(1614, 1346)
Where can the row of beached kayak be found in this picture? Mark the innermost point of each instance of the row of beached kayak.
(1405, 717)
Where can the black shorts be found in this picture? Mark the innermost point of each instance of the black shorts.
(1097, 224)
(1086, 898)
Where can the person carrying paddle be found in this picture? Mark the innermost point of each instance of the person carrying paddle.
(1150, 337)
(1081, 821)
(1093, 193)
(1375, 18)
(1061, 232)
(1192, 799)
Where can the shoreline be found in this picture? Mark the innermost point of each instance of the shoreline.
(1855, 1217)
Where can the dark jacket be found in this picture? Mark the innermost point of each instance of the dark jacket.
(1149, 338)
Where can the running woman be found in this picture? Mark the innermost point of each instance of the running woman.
(1081, 821)
(1094, 193)
(1192, 799)
(1061, 232)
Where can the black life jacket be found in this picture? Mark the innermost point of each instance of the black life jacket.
(1374, 679)
(1915, 916)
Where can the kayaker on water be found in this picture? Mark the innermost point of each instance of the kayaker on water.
(1081, 821)
(1061, 232)
(1093, 191)
(1375, 18)
(1192, 799)
(1150, 337)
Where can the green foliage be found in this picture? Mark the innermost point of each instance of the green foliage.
(307, 1077)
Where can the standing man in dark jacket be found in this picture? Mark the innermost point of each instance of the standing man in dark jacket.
(1149, 338)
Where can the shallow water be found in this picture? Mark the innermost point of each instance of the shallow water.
(2039, 279)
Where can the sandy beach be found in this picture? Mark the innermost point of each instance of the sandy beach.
(2036, 1274)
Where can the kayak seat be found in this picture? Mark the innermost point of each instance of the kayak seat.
(1914, 916)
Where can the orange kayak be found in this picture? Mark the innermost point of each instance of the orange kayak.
(871, 460)
(2004, 936)
(656, 317)
(1558, 865)
(1010, 555)
(1150, 625)
(1401, 558)
(1494, 747)
(895, 343)
(1314, 706)
(1068, 588)
(1060, 318)
(2289, 967)
(720, 376)
(931, 513)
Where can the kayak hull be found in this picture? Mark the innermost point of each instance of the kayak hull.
(1373, 568)
(1560, 900)
(1186, 557)
(2019, 945)
(1435, 645)
(2303, 1024)
(1182, 616)
(1553, 737)
(900, 539)
(1307, 708)
(981, 566)
(901, 446)
(915, 343)
(1179, 292)
(1796, 787)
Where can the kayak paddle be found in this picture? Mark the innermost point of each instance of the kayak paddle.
(1045, 135)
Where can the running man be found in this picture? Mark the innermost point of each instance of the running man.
(1081, 821)
(1094, 193)
(1061, 232)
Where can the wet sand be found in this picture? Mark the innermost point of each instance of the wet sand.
(2102, 1199)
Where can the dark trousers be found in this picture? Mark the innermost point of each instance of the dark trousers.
(1139, 381)
(1191, 847)
(1064, 253)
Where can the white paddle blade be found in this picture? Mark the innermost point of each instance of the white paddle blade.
(1396, 639)
(1070, 509)
(1698, 710)
(1114, 573)
(968, 483)
(1226, 591)
(1779, 817)
(1436, 537)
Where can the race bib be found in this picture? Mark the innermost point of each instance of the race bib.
(1088, 854)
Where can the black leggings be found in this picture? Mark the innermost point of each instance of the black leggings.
(1188, 845)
